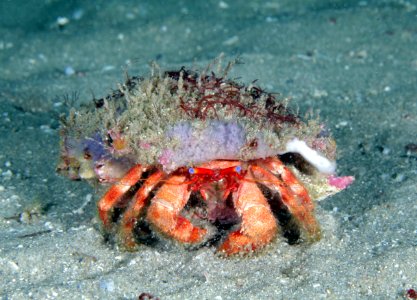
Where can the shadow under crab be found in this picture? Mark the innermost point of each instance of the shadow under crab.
(177, 136)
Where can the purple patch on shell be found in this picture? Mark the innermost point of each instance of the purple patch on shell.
(217, 140)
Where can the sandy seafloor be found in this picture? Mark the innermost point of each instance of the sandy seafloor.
(354, 62)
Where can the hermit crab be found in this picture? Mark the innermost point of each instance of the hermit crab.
(202, 159)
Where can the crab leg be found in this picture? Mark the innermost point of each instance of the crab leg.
(297, 202)
(135, 208)
(115, 194)
(276, 167)
(258, 225)
(164, 212)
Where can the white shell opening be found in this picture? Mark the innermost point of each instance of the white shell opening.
(321, 163)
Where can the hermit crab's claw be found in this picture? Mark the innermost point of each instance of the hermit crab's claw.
(115, 194)
(165, 209)
(258, 225)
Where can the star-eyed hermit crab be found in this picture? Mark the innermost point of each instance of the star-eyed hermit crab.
(194, 154)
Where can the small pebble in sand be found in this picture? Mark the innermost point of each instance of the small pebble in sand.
(223, 5)
(411, 147)
(78, 14)
(107, 285)
(69, 71)
(7, 174)
(62, 21)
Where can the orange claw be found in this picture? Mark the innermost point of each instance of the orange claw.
(258, 225)
(134, 210)
(294, 196)
(115, 194)
(164, 212)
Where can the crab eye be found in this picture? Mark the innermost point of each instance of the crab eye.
(238, 169)
(87, 154)
(191, 171)
(109, 140)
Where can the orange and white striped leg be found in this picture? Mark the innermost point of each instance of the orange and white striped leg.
(164, 212)
(115, 193)
(133, 212)
(299, 204)
(258, 226)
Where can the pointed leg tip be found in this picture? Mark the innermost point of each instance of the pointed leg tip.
(128, 245)
(316, 236)
(106, 225)
(313, 234)
(197, 235)
(238, 244)
(105, 216)
(126, 241)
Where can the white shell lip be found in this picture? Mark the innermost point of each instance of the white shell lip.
(321, 163)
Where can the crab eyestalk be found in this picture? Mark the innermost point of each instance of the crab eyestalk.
(117, 143)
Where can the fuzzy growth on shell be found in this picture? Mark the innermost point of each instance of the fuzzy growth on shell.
(184, 118)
